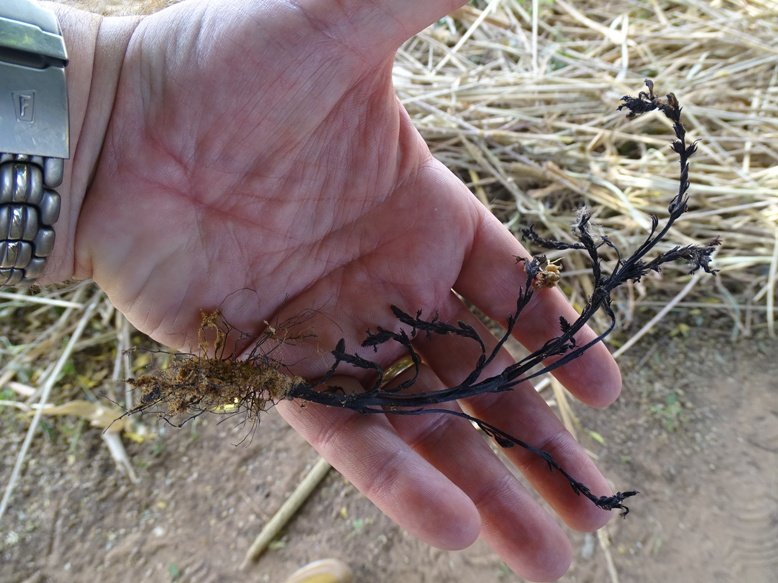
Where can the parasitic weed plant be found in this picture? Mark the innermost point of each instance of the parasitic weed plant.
(217, 381)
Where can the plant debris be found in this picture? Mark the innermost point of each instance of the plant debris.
(194, 384)
(216, 379)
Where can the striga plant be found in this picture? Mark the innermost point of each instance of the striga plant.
(251, 383)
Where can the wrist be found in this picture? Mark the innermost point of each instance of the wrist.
(96, 47)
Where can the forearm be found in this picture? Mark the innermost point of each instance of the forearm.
(96, 46)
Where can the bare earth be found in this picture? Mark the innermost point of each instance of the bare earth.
(696, 431)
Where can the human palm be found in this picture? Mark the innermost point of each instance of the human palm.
(280, 161)
(257, 160)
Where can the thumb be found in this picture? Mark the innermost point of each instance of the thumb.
(377, 28)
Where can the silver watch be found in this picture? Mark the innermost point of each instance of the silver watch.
(34, 138)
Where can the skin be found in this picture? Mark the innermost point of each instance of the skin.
(253, 157)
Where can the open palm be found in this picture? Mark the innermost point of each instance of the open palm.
(260, 146)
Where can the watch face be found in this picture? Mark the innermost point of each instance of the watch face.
(33, 111)
(30, 13)
(33, 92)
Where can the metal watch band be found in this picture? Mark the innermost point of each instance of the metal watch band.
(34, 137)
(29, 207)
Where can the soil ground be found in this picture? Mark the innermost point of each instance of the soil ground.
(696, 431)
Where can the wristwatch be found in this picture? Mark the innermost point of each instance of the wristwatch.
(34, 139)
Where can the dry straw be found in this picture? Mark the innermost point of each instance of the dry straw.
(527, 117)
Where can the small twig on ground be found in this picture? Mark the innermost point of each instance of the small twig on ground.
(45, 390)
(604, 539)
(287, 510)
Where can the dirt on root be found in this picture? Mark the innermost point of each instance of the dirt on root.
(696, 431)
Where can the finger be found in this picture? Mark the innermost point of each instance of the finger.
(513, 524)
(491, 281)
(522, 413)
(371, 455)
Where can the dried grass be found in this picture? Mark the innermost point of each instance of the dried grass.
(528, 120)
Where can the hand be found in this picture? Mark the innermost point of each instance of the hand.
(260, 146)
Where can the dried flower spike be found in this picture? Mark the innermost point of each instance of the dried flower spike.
(193, 382)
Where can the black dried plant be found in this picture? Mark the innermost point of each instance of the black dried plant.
(561, 349)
